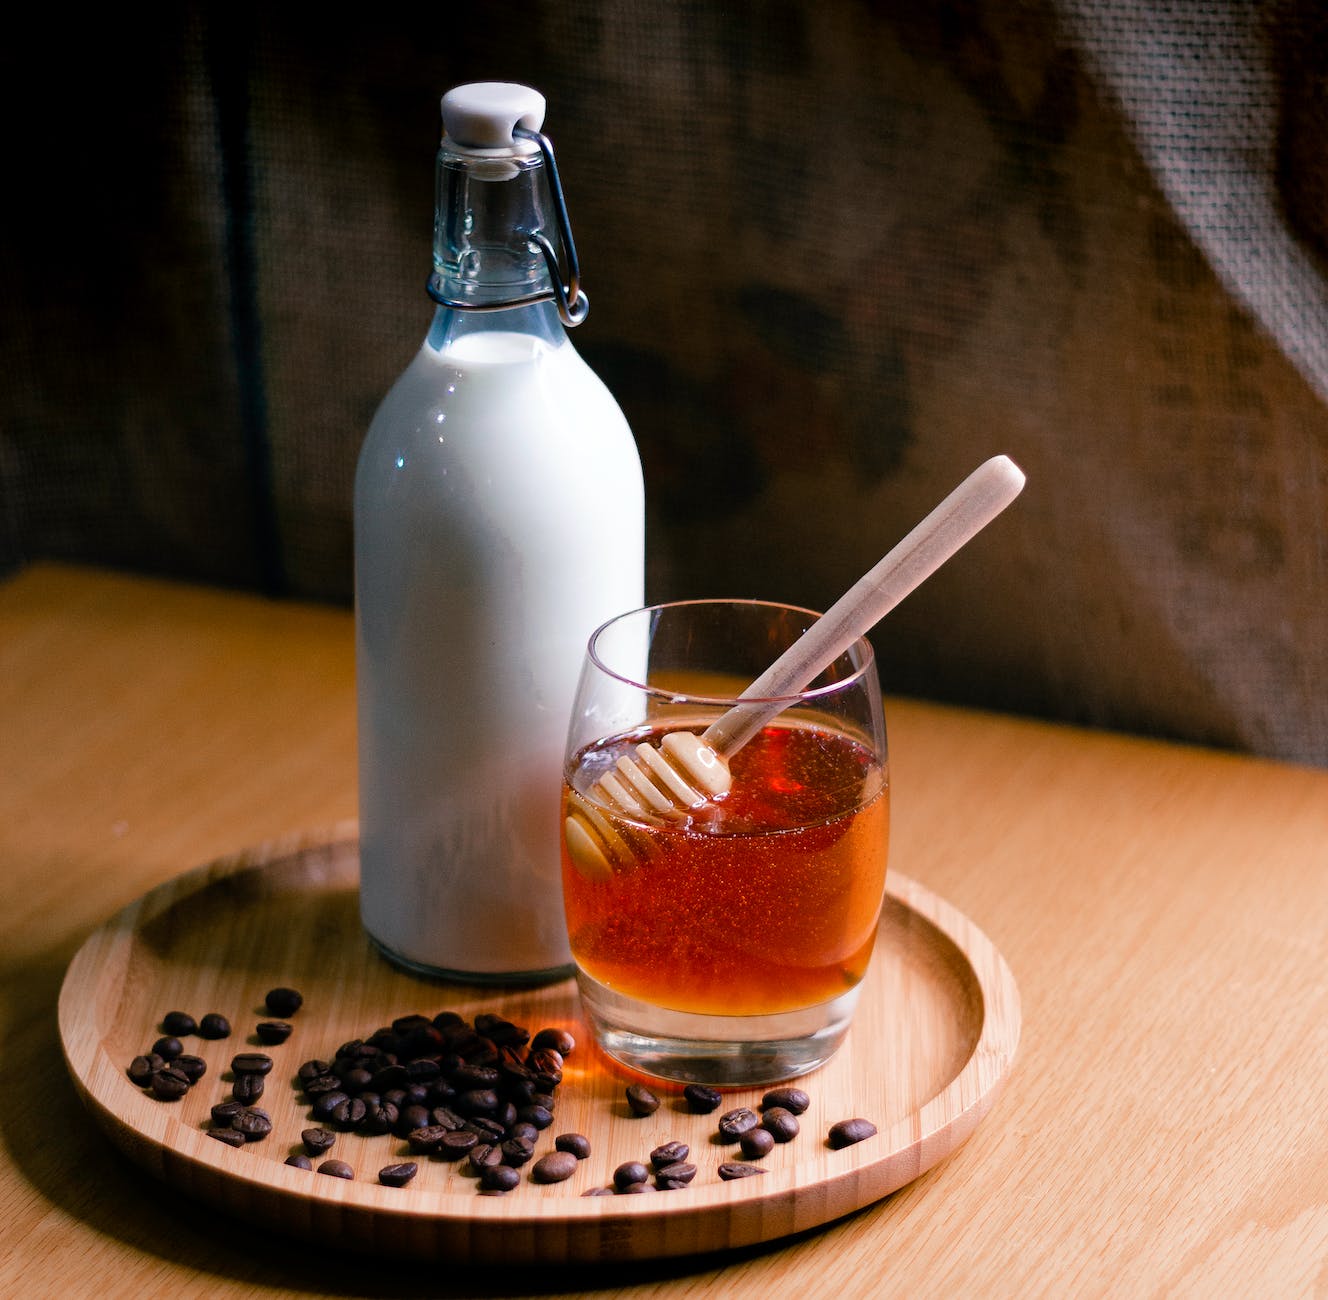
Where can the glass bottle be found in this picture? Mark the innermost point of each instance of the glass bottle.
(499, 519)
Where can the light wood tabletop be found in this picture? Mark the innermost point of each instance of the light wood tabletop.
(1164, 910)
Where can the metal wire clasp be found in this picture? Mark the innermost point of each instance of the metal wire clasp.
(572, 303)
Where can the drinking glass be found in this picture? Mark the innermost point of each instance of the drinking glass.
(725, 943)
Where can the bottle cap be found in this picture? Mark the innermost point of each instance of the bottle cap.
(482, 114)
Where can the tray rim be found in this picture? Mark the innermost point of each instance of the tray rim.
(901, 1152)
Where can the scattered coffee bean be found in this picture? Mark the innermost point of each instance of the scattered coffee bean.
(669, 1153)
(734, 1123)
(458, 1144)
(225, 1111)
(398, 1175)
(484, 1156)
(253, 1123)
(848, 1131)
(323, 1084)
(700, 1099)
(298, 1161)
(317, 1140)
(728, 1172)
(556, 1167)
(793, 1100)
(598, 1191)
(348, 1113)
(247, 1087)
(336, 1169)
(756, 1143)
(314, 1069)
(781, 1124)
(558, 1039)
(641, 1100)
(251, 1063)
(540, 1116)
(673, 1176)
(517, 1151)
(499, 1178)
(632, 1172)
(283, 1002)
(168, 1048)
(231, 1137)
(193, 1067)
(546, 1067)
(142, 1068)
(179, 1024)
(272, 1032)
(168, 1083)
(214, 1025)
(425, 1141)
(575, 1143)
(324, 1104)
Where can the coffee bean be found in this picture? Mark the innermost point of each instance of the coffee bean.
(781, 1124)
(253, 1123)
(142, 1068)
(700, 1099)
(355, 1078)
(756, 1143)
(283, 1002)
(673, 1176)
(214, 1025)
(298, 1161)
(398, 1175)
(629, 1173)
(499, 1178)
(466, 1076)
(446, 1118)
(458, 1144)
(540, 1116)
(231, 1137)
(641, 1100)
(793, 1100)
(734, 1123)
(317, 1140)
(848, 1131)
(325, 1104)
(320, 1086)
(313, 1069)
(379, 1117)
(225, 1111)
(336, 1169)
(168, 1048)
(728, 1172)
(425, 1141)
(247, 1087)
(546, 1066)
(272, 1032)
(194, 1067)
(179, 1024)
(168, 1083)
(574, 1143)
(559, 1039)
(634, 1189)
(598, 1191)
(522, 1130)
(517, 1151)
(348, 1113)
(556, 1167)
(669, 1153)
(484, 1156)
(251, 1063)
(477, 1101)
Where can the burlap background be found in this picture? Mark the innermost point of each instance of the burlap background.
(838, 254)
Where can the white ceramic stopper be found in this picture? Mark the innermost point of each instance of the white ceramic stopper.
(482, 114)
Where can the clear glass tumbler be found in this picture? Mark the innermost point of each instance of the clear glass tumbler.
(725, 943)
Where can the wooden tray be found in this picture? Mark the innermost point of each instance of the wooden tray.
(934, 1037)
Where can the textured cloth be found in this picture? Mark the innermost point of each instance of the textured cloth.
(838, 255)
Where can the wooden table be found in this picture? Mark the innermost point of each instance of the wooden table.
(1165, 911)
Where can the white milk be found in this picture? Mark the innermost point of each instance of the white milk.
(498, 520)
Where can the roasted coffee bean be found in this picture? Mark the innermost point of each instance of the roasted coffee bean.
(396, 1097)
(142, 1068)
(214, 1025)
(283, 1002)
(729, 1171)
(446, 1020)
(558, 1039)
(425, 1141)
(517, 1151)
(669, 1153)
(756, 1143)
(793, 1100)
(348, 1114)
(499, 1178)
(194, 1067)
(632, 1171)
(321, 1086)
(848, 1131)
(489, 1130)
(484, 1156)
(673, 1176)
(326, 1104)
(781, 1124)
(734, 1123)
(253, 1123)
(354, 1077)
(546, 1067)
(407, 1024)
(424, 1070)
(225, 1111)
(575, 1143)
(251, 1063)
(390, 1078)
(523, 1130)
(313, 1069)
(446, 1118)
(168, 1048)
(298, 1161)
(317, 1140)
(458, 1144)
(505, 1115)
(466, 1076)
(641, 1100)
(412, 1118)
(556, 1167)
(336, 1169)
(168, 1083)
(398, 1175)
(635, 1189)
(700, 1099)
(247, 1087)
(230, 1136)
(438, 1092)
(178, 1024)
(502, 1032)
(379, 1117)
(540, 1116)
(272, 1032)
(477, 1101)
(598, 1191)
